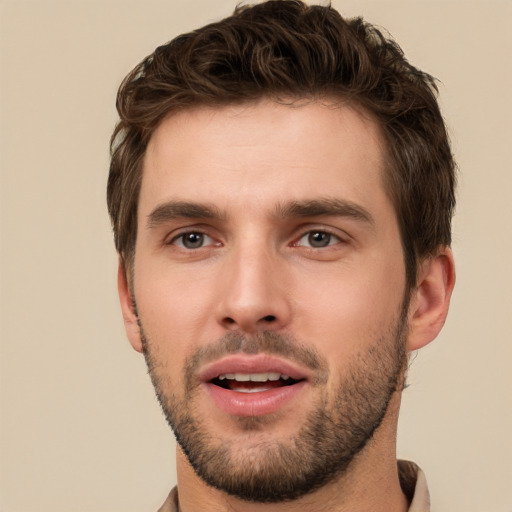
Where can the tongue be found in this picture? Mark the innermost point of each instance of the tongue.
(248, 385)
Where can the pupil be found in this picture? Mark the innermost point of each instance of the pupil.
(193, 240)
(319, 239)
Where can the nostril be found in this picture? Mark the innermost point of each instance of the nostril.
(230, 322)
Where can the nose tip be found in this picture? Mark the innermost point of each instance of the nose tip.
(253, 296)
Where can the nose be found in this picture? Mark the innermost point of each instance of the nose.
(254, 295)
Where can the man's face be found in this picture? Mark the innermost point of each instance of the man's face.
(269, 283)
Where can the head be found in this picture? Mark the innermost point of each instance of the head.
(281, 191)
(289, 51)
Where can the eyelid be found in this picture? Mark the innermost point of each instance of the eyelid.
(342, 236)
(180, 242)
(171, 238)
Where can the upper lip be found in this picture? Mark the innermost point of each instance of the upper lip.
(244, 363)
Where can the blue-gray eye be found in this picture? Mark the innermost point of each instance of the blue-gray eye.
(192, 240)
(318, 239)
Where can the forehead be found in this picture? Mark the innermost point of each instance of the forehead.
(261, 153)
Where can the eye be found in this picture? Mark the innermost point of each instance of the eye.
(192, 240)
(318, 239)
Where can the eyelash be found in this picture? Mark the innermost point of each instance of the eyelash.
(309, 233)
(181, 236)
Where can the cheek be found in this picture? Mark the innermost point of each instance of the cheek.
(174, 307)
(345, 311)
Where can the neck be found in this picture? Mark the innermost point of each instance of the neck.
(370, 482)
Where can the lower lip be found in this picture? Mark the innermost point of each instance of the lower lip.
(253, 404)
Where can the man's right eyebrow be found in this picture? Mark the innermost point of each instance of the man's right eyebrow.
(173, 210)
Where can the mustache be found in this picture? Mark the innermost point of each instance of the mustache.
(264, 342)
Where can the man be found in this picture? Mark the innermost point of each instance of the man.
(281, 191)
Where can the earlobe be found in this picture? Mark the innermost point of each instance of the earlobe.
(127, 306)
(431, 299)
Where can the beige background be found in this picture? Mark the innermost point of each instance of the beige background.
(80, 428)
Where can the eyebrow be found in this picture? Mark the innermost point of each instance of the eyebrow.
(325, 207)
(173, 210)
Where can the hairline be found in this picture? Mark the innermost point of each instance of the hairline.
(292, 100)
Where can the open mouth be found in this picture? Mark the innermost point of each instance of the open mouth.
(253, 382)
(254, 385)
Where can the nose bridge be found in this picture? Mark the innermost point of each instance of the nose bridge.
(253, 295)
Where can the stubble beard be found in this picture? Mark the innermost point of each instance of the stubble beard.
(333, 433)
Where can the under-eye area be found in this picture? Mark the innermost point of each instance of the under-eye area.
(253, 382)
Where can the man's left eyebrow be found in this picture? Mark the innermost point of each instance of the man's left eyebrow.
(173, 210)
(325, 207)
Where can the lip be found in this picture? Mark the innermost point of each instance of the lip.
(253, 404)
(260, 363)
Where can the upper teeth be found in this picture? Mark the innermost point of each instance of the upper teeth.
(256, 377)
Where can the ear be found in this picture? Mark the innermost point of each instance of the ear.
(128, 308)
(430, 299)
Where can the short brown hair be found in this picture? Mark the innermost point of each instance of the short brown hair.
(285, 48)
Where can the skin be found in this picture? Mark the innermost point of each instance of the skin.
(258, 271)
